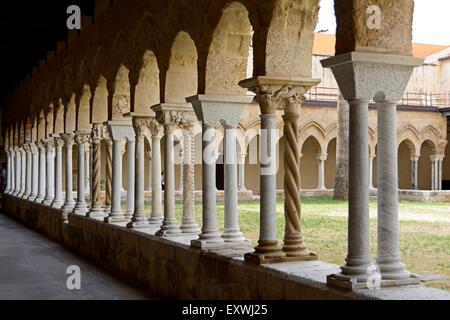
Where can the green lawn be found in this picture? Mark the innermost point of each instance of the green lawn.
(424, 227)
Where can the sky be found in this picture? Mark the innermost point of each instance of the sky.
(431, 20)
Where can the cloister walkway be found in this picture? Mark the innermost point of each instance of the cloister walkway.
(34, 267)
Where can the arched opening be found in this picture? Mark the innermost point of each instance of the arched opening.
(147, 89)
(426, 151)
(121, 96)
(41, 126)
(229, 52)
(181, 80)
(309, 166)
(59, 117)
(404, 165)
(252, 167)
(330, 165)
(49, 128)
(100, 102)
(83, 121)
(70, 116)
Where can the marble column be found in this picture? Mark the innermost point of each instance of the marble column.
(156, 215)
(388, 258)
(371, 166)
(12, 154)
(18, 172)
(149, 172)
(131, 176)
(97, 210)
(187, 178)
(58, 202)
(28, 171)
(169, 225)
(232, 231)
(34, 172)
(8, 171)
(436, 172)
(358, 260)
(321, 158)
(50, 178)
(123, 149)
(415, 172)
(42, 169)
(139, 219)
(241, 172)
(108, 173)
(23, 174)
(69, 202)
(119, 132)
(82, 140)
(210, 232)
(180, 172)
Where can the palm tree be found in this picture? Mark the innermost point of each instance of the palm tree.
(341, 179)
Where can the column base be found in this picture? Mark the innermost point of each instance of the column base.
(39, 199)
(25, 196)
(32, 197)
(169, 229)
(58, 204)
(373, 281)
(190, 228)
(214, 243)
(68, 206)
(138, 224)
(96, 213)
(116, 218)
(80, 209)
(155, 221)
(47, 202)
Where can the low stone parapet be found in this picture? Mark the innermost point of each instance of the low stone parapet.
(173, 269)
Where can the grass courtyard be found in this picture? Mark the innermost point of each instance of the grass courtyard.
(424, 227)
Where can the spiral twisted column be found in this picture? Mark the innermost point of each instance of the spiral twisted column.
(97, 135)
(108, 174)
(188, 224)
(294, 245)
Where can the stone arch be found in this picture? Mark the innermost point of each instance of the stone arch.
(330, 163)
(83, 109)
(290, 38)
(431, 135)
(182, 76)
(147, 91)
(372, 141)
(406, 149)
(99, 110)
(229, 51)
(427, 149)
(120, 102)
(410, 134)
(308, 163)
(313, 129)
(331, 133)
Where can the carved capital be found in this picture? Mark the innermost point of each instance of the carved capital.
(82, 138)
(274, 93)
(141, 126)
(59, 142)
(99, 132)
(155, 128)
(68, 139)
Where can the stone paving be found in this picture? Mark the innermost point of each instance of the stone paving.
(34, 268)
